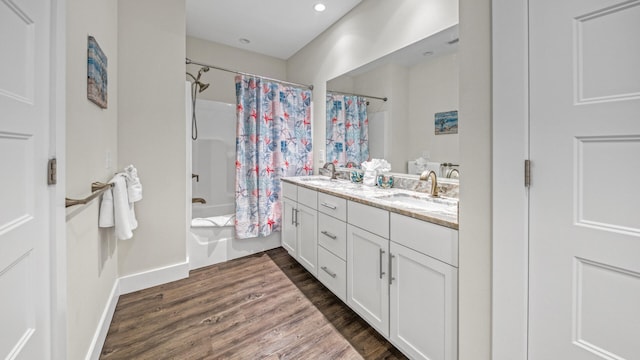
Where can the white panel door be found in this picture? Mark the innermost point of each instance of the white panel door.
(584, 198)
(367, 277)
(24, 145)
(424, 305)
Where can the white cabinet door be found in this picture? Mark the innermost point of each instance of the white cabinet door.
(289, 228)
(367, 280)
(423, 296)
(307, 219)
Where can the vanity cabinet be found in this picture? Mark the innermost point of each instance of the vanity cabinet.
(398, 273)
(367, 277)
(300, 225)
(332, 244)
(423, 288)
(368, 264)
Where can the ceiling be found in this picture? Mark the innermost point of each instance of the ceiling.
(277, 28)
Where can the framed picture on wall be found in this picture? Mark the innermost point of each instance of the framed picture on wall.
(96, 73)
(446, 122)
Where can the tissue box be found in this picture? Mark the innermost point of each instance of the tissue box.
(372, 169)
(369, 177)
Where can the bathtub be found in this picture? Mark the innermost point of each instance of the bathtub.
(212, 239)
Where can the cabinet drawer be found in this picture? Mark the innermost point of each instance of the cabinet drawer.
(332, 235)
(437, 241)
(369, 218)
(332, 205)
(308, 197)
(290, 191)
(332, 272)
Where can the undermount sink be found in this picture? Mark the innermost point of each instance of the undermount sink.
(428, 203)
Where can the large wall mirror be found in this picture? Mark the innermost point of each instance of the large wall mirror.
(418, 82)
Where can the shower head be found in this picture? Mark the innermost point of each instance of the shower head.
(202, 87)
(196, 79)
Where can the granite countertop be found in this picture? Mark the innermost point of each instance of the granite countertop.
(441, 210)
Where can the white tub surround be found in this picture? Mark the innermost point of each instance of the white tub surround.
(212, 238)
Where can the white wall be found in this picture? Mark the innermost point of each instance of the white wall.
(151, 129)
(433, 87)
(222, 83)
(474, 276)
(91, 134)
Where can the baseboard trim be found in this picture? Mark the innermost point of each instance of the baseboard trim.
(128, 284)
(95, 348)
(155, 277)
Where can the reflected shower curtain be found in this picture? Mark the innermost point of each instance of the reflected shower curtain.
(273, 139)
(347, 130)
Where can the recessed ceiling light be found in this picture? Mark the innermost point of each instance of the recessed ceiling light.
(319, 7)
(244, 41)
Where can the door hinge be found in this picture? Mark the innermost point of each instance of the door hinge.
(52, 172)
(527, 173)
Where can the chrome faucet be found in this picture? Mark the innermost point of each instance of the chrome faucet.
(331, 168)
(431, 175)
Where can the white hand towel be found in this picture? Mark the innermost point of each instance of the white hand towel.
(106, 219)
(116, 210)
(122, 209)
(134, 187)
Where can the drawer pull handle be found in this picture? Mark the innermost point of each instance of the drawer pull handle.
(328, 234)
(332, 274)
(381, 272)
(332, 207)
(293, 215)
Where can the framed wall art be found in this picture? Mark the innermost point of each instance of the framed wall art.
(446, 122)
(96, 73)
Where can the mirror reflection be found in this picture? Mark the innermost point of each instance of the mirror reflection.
(387, 109)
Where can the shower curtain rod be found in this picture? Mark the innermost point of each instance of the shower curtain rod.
(367, 96)
(189, 61)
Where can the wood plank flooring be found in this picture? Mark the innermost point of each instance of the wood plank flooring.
(264, 306)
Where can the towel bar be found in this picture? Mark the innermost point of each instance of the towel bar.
(97, 188)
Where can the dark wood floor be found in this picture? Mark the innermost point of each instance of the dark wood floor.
(264, 306)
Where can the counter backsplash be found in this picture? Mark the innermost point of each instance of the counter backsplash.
(410, 182)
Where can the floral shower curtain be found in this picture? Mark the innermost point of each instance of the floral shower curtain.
(273, 139)
(347, 129)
